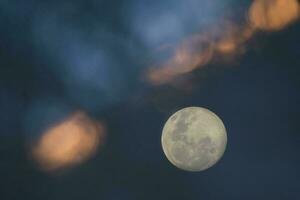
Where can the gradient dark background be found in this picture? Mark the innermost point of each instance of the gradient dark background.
(43, 48)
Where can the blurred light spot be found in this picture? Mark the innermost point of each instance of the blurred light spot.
(200, 49)
(81, 58)
(233, 39)
(193, 52)
(272, 15)
(169, 21)
(224, 41)
(69, 143)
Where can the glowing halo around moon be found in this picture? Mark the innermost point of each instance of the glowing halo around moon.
(194, 139)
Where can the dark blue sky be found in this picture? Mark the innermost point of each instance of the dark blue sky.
(43, 46)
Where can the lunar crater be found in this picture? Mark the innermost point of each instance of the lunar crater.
(194, 139)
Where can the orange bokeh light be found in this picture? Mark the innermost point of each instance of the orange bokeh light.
(273, 15)
(225, 40)
(200, 49)
(195, 51)
(69, 143)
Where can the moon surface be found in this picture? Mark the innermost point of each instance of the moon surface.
(194, 139)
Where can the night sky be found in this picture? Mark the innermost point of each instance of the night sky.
(60, 57)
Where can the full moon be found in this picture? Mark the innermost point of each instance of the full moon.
(194, 139)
